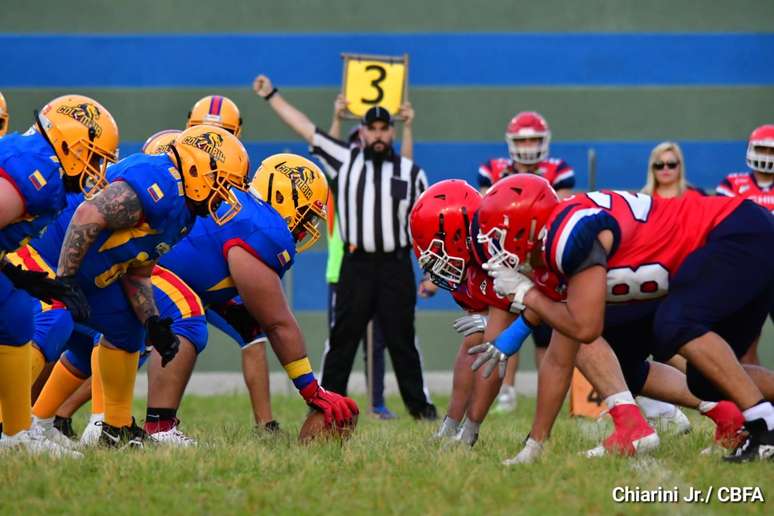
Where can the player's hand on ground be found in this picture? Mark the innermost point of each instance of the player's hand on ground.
(470, 324)
(36, 283)
(510, 282)
(262, 85)
(74, 299)
(160, 336)
(490, 357)
(335, 407)
(427, 289)
(340, 106)
(406, 113)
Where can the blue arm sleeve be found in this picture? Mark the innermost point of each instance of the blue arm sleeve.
(512, 338)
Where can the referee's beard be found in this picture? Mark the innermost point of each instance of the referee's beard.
(378, 151)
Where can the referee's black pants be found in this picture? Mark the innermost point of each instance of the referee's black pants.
(380, 284)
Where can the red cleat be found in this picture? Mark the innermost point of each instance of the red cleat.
(632, 434)
(728, 421)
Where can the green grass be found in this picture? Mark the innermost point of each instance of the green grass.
(387, 467)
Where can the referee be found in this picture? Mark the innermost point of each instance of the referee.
(376, 189)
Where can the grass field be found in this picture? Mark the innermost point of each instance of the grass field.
(387, 467)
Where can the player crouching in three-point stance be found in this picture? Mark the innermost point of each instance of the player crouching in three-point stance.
(69, 147)
(618, 247)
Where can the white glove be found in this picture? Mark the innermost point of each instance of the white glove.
(491, 356)
(470, 324)
(510, 282)
(530, 453)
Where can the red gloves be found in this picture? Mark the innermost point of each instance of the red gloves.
(333, 406)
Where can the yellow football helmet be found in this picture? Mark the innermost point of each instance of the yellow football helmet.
(3, 116)
(298, 190)
(218, 111)
(211, 160)
(159, 143)
(84, 136)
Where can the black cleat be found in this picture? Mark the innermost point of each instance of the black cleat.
(759, 444)
(428, 413)
(125, 437)
(65, 426)
(272, 427)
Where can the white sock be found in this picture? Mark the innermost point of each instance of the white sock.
(619, 398)
(448, 427)
(655, 408)
(468, 434)
(706, 406)
(96, 417)
(763, 411)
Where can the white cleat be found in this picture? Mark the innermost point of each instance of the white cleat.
(642, 445)
(530, 453)
(174, 438)
(90, 435)
(34, 442)
(46, 426)
(675, 422)
(506, 401)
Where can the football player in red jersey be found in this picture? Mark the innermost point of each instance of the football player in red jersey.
(528, 137)
(619, 247)
(756, 185)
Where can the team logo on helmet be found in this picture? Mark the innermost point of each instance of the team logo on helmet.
(302, 177)
(209, 143)
(86, 113)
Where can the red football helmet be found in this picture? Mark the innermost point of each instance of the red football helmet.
(440, 228)
(761, 161)
(512, 218)
(528, 125)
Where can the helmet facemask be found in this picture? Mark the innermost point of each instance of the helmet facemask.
(760, 161)
(499, 256)
(445, 271)
(527, 155)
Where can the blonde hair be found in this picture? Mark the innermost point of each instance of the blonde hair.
(650, 185)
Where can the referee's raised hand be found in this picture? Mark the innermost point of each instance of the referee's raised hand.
(262, 86)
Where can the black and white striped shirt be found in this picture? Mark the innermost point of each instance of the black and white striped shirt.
(373, 198)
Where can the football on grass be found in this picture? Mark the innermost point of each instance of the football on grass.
(314, 428)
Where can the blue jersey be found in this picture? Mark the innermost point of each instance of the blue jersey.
(200, 258)
(28, 162)
(166, 218)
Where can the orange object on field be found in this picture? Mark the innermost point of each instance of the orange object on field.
(584, 400)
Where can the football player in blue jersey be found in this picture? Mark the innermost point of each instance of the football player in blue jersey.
(248, 257)
(68, 149)
(107, 246)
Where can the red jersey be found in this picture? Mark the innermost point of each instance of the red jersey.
(477, 293)
(690, 191)
(743, 184)
(556, 171)
(651, 237)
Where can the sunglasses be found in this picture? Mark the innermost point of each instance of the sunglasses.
(671, 165)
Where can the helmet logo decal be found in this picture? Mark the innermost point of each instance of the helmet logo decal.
(86, 113)
(209, 143)
(302, 177)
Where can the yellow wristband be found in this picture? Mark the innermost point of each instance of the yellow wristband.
(298, 368)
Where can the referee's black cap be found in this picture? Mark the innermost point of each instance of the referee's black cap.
(377, 113)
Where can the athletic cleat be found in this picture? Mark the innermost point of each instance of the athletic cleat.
(530, 453)
(506, 400)
(90, 435)
(728, 421)
(383, 413)
(757, 445)
(132, 436)
(34, 442)
(632, 435)
(447, 430)
(466, 436)
(675, 421)
(171, 437)
(65, 426)
(46, 426)
(272, 427)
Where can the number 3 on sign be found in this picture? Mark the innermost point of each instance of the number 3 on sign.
(374, 81)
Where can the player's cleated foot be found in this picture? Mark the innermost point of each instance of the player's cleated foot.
(90, 435)
(728, 421)
(34, 442)
(675, 421)
(46, 426)
(530, 453)
(272, 427)
(448, 429)
(428, 413)
(757, 445)
(65, 426)
(383, 413)
(506, 400)
(132, 437)
(169, 436)
(632, 435)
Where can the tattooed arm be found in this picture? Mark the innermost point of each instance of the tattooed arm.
(115, 207)
(139, 290)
